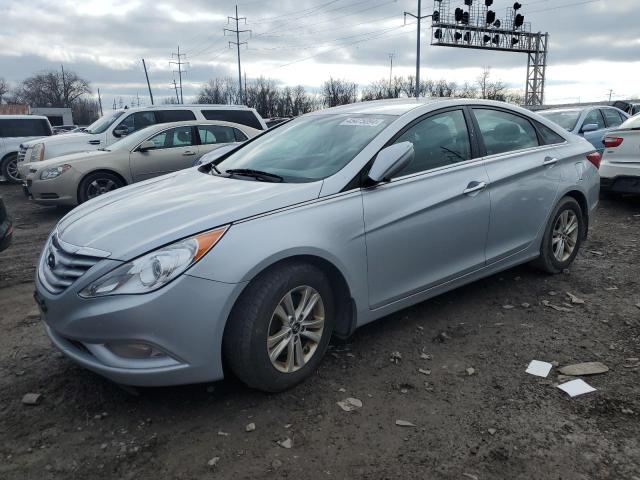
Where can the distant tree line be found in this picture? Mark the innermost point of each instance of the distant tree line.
(53, 89)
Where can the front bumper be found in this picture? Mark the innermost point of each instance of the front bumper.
(185, 320)
(56, 191)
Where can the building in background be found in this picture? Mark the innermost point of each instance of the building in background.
(57, 116)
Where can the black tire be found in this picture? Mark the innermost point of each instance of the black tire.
(547, 261)
(88, 188)
(245, 338)
(9, 168)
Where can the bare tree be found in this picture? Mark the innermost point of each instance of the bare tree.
(4, 88)
(174, 101)
(301, 102)
(489, 89)
(383, 89)
(51, 89)
(467, 91)
(218, 91)
(263, 95)
(85, 111)
(339, 92)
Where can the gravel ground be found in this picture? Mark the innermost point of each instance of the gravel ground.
(492, 422)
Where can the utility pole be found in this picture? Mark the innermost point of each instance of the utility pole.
(176, 87)
(64, 88)
(610, 95)
(148, 84)
(418, 17)
(114, 103)
(180, 63)
(245, 87)
(391, 55)
(138, 99)
(100, 103)
(237, 43)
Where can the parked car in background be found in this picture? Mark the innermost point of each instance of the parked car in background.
(272, 122)
(632, 108)
(620, 168)
(6, 228)
(322, 225)
(119, 123)
(57, 130)
(592, 123)
(14, 130)
(156, 150)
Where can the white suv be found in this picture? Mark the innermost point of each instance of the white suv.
(116, 124)
(14, 130)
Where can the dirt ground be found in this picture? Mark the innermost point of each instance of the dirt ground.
(496, 423)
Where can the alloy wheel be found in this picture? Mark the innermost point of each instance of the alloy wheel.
(100, 186)
(12, 170)
(565, 235)
(295, 329)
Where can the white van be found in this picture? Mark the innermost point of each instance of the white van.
(14, 130)
(118, 123)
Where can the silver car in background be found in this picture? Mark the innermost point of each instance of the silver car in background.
(313, 229)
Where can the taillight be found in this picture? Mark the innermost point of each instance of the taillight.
(612, 142)
(595, 158)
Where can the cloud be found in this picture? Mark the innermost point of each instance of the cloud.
(302, 42)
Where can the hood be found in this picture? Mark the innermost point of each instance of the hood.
(142, 217)
(59, 139)
(70, 158)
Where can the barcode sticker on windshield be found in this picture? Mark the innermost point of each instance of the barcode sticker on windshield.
(362, 122)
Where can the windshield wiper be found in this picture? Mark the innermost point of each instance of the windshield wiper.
(257, 174)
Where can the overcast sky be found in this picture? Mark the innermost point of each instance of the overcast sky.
(594, 45)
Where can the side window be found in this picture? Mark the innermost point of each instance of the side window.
(594, 116)
(24, 128)
(548, 136)
(504, 132)
(613, 118)
(438, 140)
(210, 134)
(168, 116)
(137, 121)
(175, 137)
(243, 117)
(240, 136)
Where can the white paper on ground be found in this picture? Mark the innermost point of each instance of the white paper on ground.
(576, 387)
(538, 368)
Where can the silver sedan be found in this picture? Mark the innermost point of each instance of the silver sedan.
(313, 229)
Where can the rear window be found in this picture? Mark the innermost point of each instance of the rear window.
(28, 127)
(632, 124)
(168, 116)
(243, 117)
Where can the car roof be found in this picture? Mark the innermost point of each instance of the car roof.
(210, 106)
(22, 117)
(164, 126)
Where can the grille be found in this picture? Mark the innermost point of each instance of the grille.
(60, 267)
(21, 154)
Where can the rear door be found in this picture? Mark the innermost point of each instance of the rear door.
(176, 149)
(429, 223)
(524, 180)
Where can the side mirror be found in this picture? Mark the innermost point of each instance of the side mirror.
(391, 160)
(146, 146)
(121, 131)
(590, 127)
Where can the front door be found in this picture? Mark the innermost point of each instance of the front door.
(175, 149)
(429, 224)
(524, 180)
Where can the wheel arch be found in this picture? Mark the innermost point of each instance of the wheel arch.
(7, 155)
(346, 315)
(99, 170)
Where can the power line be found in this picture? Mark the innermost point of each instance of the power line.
(563, 6)
(237, 43)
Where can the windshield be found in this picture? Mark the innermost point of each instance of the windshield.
(567, 119)
(310, 148)
(103, 122)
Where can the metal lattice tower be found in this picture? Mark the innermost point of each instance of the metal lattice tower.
(501, 34)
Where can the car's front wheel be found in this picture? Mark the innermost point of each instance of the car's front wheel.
(9, 168)
(96, 184)
(280, 328)
(563, 237)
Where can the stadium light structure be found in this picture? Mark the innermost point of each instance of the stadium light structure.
(472, 24)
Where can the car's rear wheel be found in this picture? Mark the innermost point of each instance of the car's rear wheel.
(280, 327)
(562, 238)
(9, 168)
(96, 184)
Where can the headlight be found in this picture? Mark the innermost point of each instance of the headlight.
(37, 154)
(54, 172)
(154, 270)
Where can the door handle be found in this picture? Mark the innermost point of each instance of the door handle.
(188, 153)
(474, 187)
(94, 142)
(550, 161)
